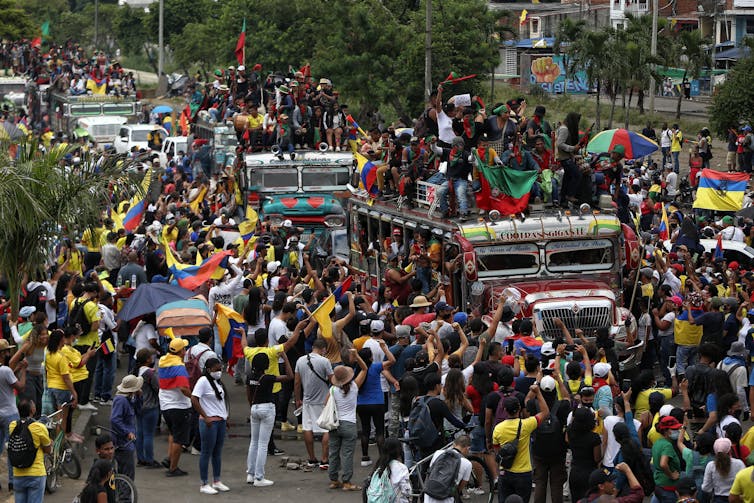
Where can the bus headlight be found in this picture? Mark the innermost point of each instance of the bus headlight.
(335, 221)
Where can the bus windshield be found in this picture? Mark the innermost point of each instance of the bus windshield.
(580, 256)
(275, 179)
(508, 260)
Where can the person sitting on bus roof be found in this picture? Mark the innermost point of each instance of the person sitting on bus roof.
(457, 173)
(520, 159)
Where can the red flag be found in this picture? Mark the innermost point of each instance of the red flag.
(505, 204)
(453, 78)
(241, 45)
(37, 42)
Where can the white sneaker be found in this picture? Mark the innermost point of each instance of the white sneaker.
(220, 487)
(207, 489)
(89, 406)
(337, 149)
(249, 479)
(194, 451)
(263, 483)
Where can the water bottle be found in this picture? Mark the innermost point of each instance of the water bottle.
(133, 281)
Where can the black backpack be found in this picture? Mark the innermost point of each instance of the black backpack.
(77, 316)
(549, 441)
(509, 450)
(21, 449)
(36, 298)
(441, 480)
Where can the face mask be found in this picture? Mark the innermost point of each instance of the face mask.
(216, 375)
(674, 435)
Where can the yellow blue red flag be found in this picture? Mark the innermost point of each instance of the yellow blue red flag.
(721, 191)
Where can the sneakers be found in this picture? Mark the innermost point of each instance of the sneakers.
(176, 473)
(208, 489)
(475, 491)
(107, 403)
(249, 479)
(277, 452)
(286, 426)
(324, 465)
(300, 428)
(219, 486)
(88, 406)
(311, 463)
(194, 451)
(263, 483)
(365, 461)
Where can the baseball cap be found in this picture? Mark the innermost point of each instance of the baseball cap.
(728, 219)
(547, 349)
(734, 265)
(601, 369)
(177, 344)
(600, 476)
(287, 223)
(377, 326)
(403, 331)
(272, 266)
(675, 299)
(443, 306)
(665, 410)
(668, 423)
(547, 384)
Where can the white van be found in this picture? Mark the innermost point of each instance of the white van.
(135, 135)
(102, 128)
(172, 145)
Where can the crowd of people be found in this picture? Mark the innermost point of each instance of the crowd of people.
(418, 385)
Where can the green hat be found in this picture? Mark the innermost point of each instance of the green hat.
(218, 73)
(618, 149)
(728, 219)
(284, 89)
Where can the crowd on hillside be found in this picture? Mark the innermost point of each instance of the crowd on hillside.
(471, 396)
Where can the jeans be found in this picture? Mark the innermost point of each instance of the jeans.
(663, 496)
(685, 356)
(571, 179)
(283, 398)
(665, 156)
(146, 423)
(4, 434)
(213, 438)
(509, 483)
(676, 165)
(553, 470)
(667, 349)
(29, 489)
(262, 423)
(33, 390)
(459, 187)
(104, 376)
(342, 445)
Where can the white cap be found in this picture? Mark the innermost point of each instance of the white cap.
(601, 369)
(547, 383)
(169, 217)
(547, 349)
(272, 266)
(241, 68)
(287, 223)
(666, 409)
(377, 326)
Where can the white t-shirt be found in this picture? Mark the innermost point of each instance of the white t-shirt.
(346, 403)
(671, 183)
(732, 233)
(467, 373)
(445, 127)
(645, 327)
(666, 138)
(668, 331)
(377, 356)
(173, 399)
(200, 349)
(464, 473)
(725, 421)
(672, 281)
(613, 446)
(275, 332)
(144, 333)
(208, 400)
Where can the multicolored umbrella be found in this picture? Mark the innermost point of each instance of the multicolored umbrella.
(636, 145)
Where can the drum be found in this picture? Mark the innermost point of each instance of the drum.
(240, 122)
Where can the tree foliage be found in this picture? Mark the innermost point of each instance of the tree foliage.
(733, 104)
(15, 23)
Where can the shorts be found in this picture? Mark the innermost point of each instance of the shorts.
(478, 440)
(730, 158)
(309, 416)
(58, 397)
(179, 424)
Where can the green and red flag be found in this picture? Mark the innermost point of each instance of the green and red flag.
(453, 78)
(241, 45)
(503, 189)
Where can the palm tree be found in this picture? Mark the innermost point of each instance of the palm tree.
(41, 201)
(589, 55)
(569, 32)
(689, 50)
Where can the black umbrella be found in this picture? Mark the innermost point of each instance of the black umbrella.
(149, 297)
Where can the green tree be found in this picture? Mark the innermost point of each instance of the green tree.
(733, 104)
(689, 51)
(15, 23)
(569, 32)
(588, 54)
(38, 199)
(129, 29)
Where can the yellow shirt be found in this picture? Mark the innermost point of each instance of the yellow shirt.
(56, 366)
(743, 485)
(272, 353)
(506, 432)
(41, 439)
(74, 360)
(675, 145)
(169, 237)
(92, 314)
(93, 241)
(642, 399)
(255, 122)
(75, 263)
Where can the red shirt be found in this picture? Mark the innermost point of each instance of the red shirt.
(415, 319)
(476, 398)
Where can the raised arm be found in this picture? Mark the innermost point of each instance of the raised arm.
(464, 340)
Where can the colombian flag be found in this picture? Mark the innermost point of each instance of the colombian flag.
(227, 321)
(96, 86)
(532, 345)
(687, 334)
(322, 316)
(719, 248)
(344, 287)
(191, 277)
(172, 372)
(107, 347)
(664, 226)
(248, 226)
(135, 213)
(367, 173)
(721, 191)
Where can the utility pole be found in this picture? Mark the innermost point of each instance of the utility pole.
(428, 52)
(653, 52)
(96, 23)
(160, 56)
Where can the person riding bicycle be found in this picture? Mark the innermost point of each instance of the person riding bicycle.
(440, 481)
(438, 411)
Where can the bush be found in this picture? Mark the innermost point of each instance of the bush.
(733, 104)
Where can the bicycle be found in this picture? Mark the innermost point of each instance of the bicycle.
(125, 488)
(418, 472)
(61, 459)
